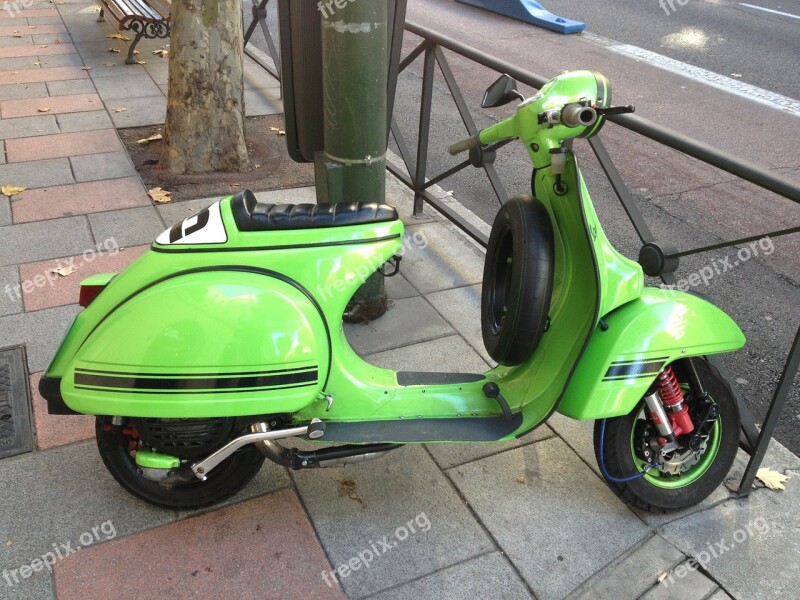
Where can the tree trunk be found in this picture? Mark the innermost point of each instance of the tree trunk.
(204, 131)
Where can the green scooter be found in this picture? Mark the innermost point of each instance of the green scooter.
(226, 337)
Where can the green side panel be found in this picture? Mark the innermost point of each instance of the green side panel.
(642, 337)
(202, 345)
(148, 459)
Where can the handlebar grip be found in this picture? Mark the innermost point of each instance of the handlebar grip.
(464, 145)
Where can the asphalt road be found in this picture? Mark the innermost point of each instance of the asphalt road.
(683, 200)
(723, 36)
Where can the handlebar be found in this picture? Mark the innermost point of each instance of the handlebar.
(464, 145)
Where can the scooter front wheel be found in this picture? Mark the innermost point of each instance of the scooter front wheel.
(117, 449)
(685, 477)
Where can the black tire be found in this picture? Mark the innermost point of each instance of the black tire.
(643, 493)
(224, 481)
(517, 280)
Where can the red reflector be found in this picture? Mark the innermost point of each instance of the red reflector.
(88, 294)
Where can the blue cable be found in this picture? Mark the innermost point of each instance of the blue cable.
(603, 462)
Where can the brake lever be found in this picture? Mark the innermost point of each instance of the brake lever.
(615, 110)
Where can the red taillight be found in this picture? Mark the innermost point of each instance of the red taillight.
(89, 293)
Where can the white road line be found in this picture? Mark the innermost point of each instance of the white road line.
(769, 10)
(733, 86)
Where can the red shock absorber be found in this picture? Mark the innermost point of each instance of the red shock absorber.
(672, 397)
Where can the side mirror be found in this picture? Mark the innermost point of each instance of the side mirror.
(501, 92)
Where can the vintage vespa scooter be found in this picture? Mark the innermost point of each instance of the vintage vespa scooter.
(217, 343)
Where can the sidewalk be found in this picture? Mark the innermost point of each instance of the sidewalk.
(528, 519)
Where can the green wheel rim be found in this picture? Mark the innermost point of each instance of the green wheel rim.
(673, 482)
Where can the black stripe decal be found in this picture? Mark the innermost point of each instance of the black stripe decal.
(199, 383)
(106, 390)
(633, 370)
(200, 375)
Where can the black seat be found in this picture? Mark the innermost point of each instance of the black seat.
(252, 215)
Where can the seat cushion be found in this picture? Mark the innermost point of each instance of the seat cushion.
(252, 215)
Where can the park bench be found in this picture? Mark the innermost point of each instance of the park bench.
(146, 18)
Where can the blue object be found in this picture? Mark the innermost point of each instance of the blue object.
(530, 12)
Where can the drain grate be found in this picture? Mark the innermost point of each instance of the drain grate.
(16, 435)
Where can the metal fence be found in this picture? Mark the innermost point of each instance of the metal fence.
(417, 178)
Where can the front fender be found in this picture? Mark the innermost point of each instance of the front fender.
(642, 337)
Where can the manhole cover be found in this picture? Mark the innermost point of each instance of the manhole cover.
(16, 435)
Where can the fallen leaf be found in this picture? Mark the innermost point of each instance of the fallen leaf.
(141, 62)
(44, 46)
(64, 271)
(110, 64)
(8, 543)
(31, 26)
(114, 50)
(521, 480)
(120, 109)
(117, 36)
(274, 128)
(737, 75)
(44, 109)
(37, 64)
(86, 68)
(160, 196)
(12, 190)
(349, 487)
(281, 132)
(161, 53)
(135, 52)
(17, 35)
(153, 138)
(57, 41)
(236, 185)
(772, 479)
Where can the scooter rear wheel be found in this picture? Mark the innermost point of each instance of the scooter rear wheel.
(225, 480)
(658, 491)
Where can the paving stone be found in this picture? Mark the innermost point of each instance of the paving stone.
(25, 90)
(399, 287)
(79, 198)
(50, 61)
(141, 112)
(356, 506)
(109, 165)
(70, 87)
(36, 50)
(63, 145)
(51, 38)
(10, 302)
(753, 563)
(30, 242)
(53, 20)
(2, 159)
(27, 127)
(44, 29)
(633, 573)
(562, 537)
(39, 75)
(64, 104)
(19, 63)
(86, 496)
(158, 69)
(486, 577)
(104, 257)
(419, 323)
(128, 227)
(275, 528)
(40, 331)
(37, 173)
(5, 211)
(444, 262)
(262, 102)
(125, 86)
(57, 430)
(693, 585)
(96, 51)
(6, 41)
(84, 121)
(461, 307)
(29, 13)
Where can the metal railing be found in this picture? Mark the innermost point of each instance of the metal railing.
(416, 177)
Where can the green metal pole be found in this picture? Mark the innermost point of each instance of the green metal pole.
(352, 167)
